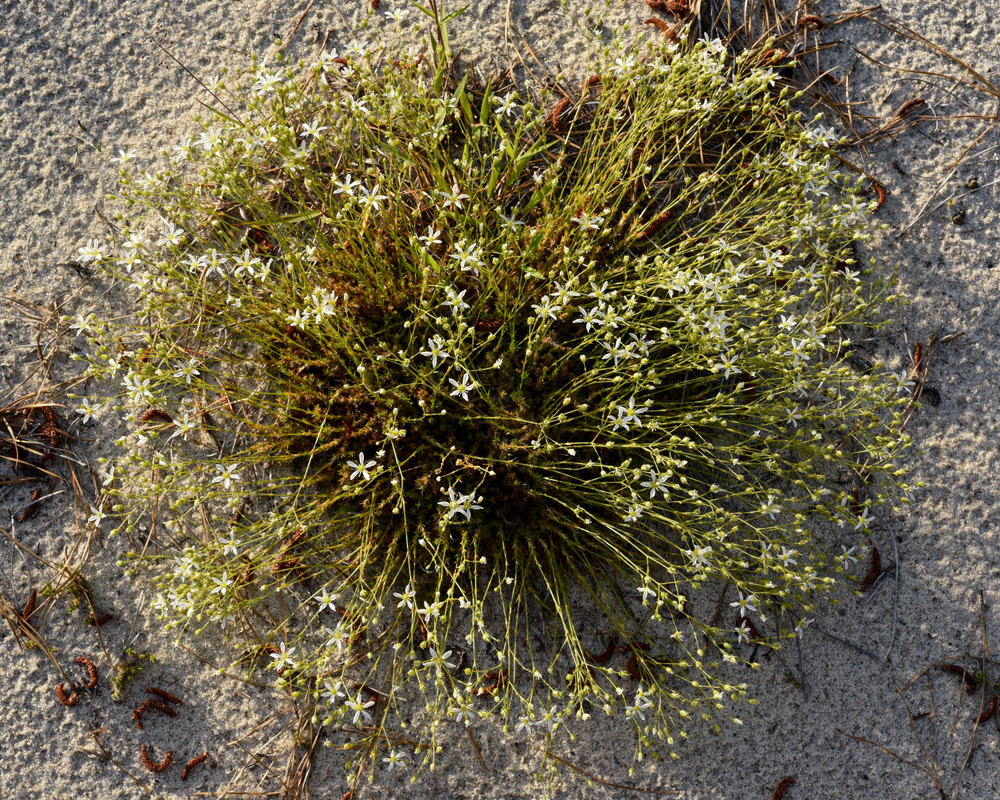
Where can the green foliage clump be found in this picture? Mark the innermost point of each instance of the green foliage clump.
(432, 382)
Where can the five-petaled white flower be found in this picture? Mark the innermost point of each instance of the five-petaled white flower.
(230, 545)
(93, 251)
(440, 659)
(699, 556)
(326, 600)
(345, 186)
(455, 300)
(468, 257)
(453, 198)
(507, 104)
(646, 593)
(745, 604)
(89, 411)
(588, 222)
(550, 719)
(435, 350)
(283, 658)
(82, 323)
(361, 467)
(546, 307)
(462, 387)
(863, 520)
(222, 584)
(656, 482)
(370, 198)
(406, 598)
(431, 238)
(360, 708)
(628, 415)
(97, 516)
(123, 157)
(395, 758)
(227, 475)
(138, 389)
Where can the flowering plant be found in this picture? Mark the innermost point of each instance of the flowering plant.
(422, 359)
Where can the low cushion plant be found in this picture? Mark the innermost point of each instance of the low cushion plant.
(437, 382)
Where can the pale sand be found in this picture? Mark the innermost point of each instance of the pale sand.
(67, 63)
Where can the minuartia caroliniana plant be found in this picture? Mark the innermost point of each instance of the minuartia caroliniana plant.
(433, 385)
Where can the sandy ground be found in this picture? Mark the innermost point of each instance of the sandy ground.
(80, 73)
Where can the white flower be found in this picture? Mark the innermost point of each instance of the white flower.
(395, 758)
(93, 251)
(454, 503)
(331, 691)
(345, 186)
(507, 104)
(546, 308)
(656, 482)
(550, 719)
(360, 708)
(222, 584)
(326, 600)
(371, 198)
(745, 604)
(137, 389)
(801, 626)
(283, 657)
(361, 467)
(434, 350)
(728, 364)
(96, 516)
(430, 610)
(646, 593)
(468, 507)
(699, 556)
(89, 411)
(467, 257)
(313, 129)
(564, 295)
(453, 198)
(187, 372)
(462, 388)
(230, 545)
(184, 427)
(431, 238)
(123, 157)
(406, 598)
(588, 222)
(227, 475)
(463, 709)
(441, 659)
(172, 236)
(592, 316)
(455, 300)
(628, 415)
(82, 323)
(509, 222)
(863, 520)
